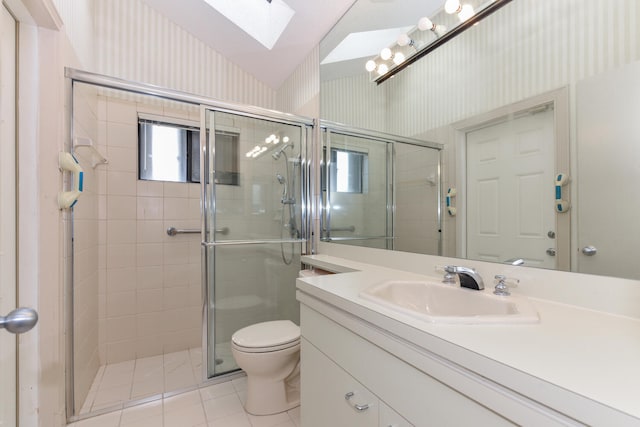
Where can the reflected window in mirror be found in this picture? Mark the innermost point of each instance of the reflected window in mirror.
(170, 151)
(349, 171)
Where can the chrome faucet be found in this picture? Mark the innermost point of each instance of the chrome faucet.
(469, 278)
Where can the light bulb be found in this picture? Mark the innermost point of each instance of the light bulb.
(398, 58)
(404, 40)
(452, 6)
(439, 30)
(425, 24)
(285, 139)
(466, 12)
(385, 54)
(382, 69)
(371, 65)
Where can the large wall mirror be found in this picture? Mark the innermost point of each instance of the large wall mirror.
(536, 108)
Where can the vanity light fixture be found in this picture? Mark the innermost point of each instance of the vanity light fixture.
(405, 40)
(452, 6)
(371, 65)
(464, 11)
(398, 58)
(395, 58)
(425, 24)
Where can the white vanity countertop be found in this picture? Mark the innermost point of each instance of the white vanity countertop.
(590, 354)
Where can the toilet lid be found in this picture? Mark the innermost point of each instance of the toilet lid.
(267, 334)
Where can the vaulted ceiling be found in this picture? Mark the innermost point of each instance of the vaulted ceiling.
(310, 23)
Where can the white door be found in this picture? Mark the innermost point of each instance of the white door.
(608, 141)
(510, 183)
(7, 216)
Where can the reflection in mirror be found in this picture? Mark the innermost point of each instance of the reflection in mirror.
(369, 201)
(580, 57)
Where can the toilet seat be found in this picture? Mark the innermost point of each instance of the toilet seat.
(267, 337)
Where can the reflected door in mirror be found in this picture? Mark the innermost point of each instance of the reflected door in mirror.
(510, 204)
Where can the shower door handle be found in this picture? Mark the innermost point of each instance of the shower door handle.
(19, 320)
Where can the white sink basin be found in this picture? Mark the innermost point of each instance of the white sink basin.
(440, 303)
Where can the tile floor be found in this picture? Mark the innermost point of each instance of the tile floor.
(118, 383)
(217, 405)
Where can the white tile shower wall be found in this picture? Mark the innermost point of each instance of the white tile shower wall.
(150, 303)
(86, 249)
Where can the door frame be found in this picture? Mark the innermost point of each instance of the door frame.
(32, 59)
(559, 98)
(8, 216)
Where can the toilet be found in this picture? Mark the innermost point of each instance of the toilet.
(269, 353)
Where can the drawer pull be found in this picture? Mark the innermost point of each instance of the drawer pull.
(357, 407)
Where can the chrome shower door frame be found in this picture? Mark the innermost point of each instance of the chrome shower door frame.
(208, 205)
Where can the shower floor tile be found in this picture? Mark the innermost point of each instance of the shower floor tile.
(118, 383)
(217, 405)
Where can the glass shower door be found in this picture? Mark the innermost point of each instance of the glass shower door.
(254, 226)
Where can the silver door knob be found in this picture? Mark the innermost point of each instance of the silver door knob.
(19, 320)
(551, 251)
(589, 250)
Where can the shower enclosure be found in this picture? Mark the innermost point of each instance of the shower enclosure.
(191, 225)
(368, 200)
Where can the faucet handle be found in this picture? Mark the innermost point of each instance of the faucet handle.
(448, 278)
(503, 283)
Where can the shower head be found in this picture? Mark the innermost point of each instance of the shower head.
(276, 154)
(281, 179)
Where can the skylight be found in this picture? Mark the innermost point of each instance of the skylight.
(360, 45)
(263, 20)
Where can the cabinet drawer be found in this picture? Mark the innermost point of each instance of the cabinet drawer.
(324, 392)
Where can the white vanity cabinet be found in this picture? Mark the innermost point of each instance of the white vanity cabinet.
(325, 390)
(335, 398)
(390, 418)
(336, 363)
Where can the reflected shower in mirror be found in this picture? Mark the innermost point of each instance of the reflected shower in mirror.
(571, 65)
(368, 200)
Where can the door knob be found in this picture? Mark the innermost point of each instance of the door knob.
(589, 250)
(19, 320)
(551, 251)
